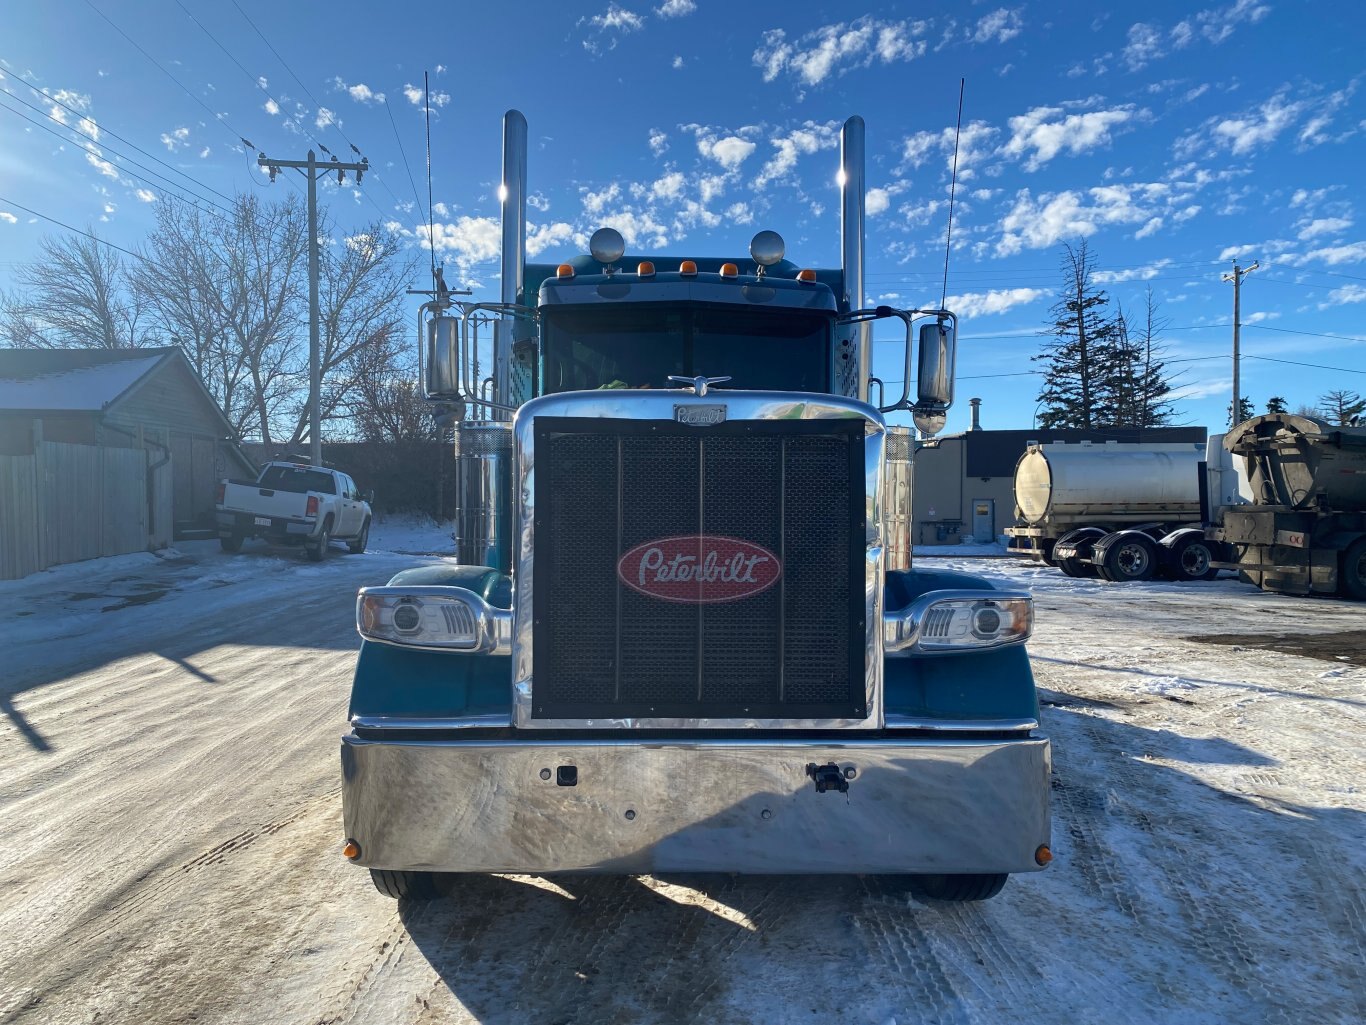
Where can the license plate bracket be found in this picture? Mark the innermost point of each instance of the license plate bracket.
(263, 521)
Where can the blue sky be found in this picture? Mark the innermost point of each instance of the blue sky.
(1174, 137)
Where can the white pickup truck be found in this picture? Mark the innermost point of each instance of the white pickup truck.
(294, 504)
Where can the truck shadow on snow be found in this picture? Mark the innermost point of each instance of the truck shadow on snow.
(1159, 871)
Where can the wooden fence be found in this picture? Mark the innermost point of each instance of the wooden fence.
(64, 503)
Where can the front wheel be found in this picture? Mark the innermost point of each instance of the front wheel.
(410, 885)
(1353, 579)
(959, 888)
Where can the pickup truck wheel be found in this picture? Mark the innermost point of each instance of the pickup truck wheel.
(959, 887)
(362, 539)
(410, 885)
(230, 543)
(317, 550)
(1353, 579)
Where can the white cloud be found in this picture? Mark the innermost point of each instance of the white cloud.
(103, 166)
(1343, 296)
(810, 138)
(175, 140)
(1257, 127)
(669, 188)
(440, 209)
(271, 107)
(676, 8)
(1153, 226)
(594, 203)
(538, 202)
(976, 142)
(613, 22)
(729, 152)
(324, 118)
(1218, 23)
(468, 240)
(878, 199)
(1203, 389)
(659, 141)
(146, 195)
(362, 93)
(999, 26)
(740, 213)
(1051, 218)
(1149, 42)
(1043, 134)
(1145, 273)
(997, 300)
(678, 62)
(541, 237)
(839, 48)
(1324, 226)
(1334, 255)
(8, 217)
(638, 228)
(414, 95)
(204, 153)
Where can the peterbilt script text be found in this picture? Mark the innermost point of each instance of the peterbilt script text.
(699, 568)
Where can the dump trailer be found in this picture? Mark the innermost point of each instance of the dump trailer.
(682, 632)
(1118, 510)
(1305, 530)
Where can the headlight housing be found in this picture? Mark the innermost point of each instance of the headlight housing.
(433, 617)
(955, 621)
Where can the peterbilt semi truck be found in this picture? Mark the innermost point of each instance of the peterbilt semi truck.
(682, 632)
(1305, 530)
(1120, 510)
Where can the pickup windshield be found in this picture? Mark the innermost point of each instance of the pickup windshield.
(641, 346)
(297, 479)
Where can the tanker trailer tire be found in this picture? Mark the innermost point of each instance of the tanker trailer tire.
(1189, 558)
(1073, 566)
(1128, 555)
(1353, 579)
(958, 888)
(412, 885)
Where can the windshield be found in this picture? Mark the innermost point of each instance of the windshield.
(296, 480)
(641, 346)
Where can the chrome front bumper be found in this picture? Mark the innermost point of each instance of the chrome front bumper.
(678, 805)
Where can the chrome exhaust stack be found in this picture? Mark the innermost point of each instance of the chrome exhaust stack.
(512, 194)
(851, 243)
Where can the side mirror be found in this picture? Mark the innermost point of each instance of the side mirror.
(934, 379)
(443, 358)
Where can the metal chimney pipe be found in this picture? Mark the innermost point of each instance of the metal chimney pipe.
(512, 193)
(851, 242)
(976, 405)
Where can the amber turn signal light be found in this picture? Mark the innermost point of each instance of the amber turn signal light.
(564, 270)
(1043, 855)
(807, 275)
(351, 850)
(646, 269)
(687, 267)
(729, 270)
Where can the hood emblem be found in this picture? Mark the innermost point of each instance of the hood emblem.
(699, 385)
(699, 416)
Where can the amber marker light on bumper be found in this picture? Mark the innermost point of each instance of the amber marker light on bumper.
(351, 851)
(1043, 855)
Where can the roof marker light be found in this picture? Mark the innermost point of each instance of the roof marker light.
(807, 275)
(646, 269)
(687, 268)
(729, 270)
(564, 270)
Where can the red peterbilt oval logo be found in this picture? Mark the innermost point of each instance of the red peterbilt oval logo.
(699, 569)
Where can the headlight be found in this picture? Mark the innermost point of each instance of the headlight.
(947, 621)
(447, 618)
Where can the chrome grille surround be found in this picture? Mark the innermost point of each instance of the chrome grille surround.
(659, 405)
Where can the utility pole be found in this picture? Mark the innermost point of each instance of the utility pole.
(1237, 278)
(311, 169)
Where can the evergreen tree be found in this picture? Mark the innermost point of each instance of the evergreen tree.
(1245, 411)
(1078, 357)
(1140, 386)
(1276, 404)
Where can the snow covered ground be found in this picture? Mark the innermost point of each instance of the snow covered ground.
(169, 797)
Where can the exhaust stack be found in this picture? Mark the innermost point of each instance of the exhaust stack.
(512, 193)
(976, 405)
(851, 242)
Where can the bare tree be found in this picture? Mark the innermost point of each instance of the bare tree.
(75, 295)
(1341, 407)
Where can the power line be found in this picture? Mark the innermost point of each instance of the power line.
(132, 174)
(403, 153)
(103, 128)
(1296, 363)
(78, 231)
(1307, 334)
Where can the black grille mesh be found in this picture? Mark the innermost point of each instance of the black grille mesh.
(603, 649)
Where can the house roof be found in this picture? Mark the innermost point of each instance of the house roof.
(74, 380)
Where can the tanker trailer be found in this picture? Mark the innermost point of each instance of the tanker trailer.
(1120, 511)
(1305, 531)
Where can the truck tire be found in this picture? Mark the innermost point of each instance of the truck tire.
(1131, 556)
(959, 887)
(317, 550)
(1352, 581)
(230, 542)
(362, 539)
(408, 885)
(1189, 558)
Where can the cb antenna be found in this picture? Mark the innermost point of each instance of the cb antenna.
(953, 184)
